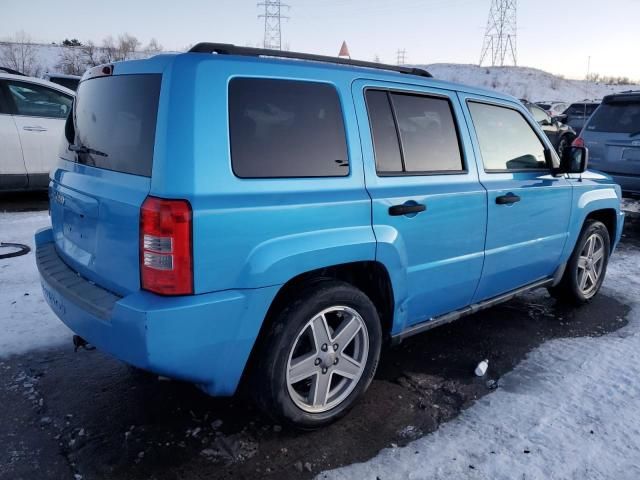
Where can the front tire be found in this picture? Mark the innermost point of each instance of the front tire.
(320, 356)
(587, 266)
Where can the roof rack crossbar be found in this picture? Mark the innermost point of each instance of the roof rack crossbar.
(230, 49)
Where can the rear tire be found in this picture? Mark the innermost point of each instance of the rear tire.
(587, 265)
(319, 357)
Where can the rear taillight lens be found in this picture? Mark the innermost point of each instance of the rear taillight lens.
(578, 142)
(166, 260)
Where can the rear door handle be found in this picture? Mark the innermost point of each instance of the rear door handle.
(507, 199)
(34, 129)
(406, 209)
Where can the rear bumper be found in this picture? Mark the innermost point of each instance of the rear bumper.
(204, 339)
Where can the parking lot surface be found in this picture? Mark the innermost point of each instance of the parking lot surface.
(88, 415)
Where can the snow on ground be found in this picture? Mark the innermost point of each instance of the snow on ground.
(524, 82)
(568, 411)
(631, 205)
(26, 321)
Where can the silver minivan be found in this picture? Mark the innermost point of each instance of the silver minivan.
(612, 136)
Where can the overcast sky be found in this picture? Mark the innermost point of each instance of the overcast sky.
(557, 36)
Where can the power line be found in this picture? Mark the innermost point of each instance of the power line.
(500, 37)
(401, 57)
(272, 19)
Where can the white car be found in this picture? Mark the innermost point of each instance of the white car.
(32, 118)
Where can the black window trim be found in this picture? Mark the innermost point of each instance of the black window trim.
(427, 173)
(12, 103)
(549, 168)
(348, 172)
(4, 101)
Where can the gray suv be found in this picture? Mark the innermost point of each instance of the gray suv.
(612, 136)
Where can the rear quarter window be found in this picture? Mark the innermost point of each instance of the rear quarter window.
(284, 128)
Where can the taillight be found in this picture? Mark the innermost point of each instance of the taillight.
(578, 142)
(166, 262)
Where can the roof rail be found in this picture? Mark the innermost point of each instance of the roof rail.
(229, 49)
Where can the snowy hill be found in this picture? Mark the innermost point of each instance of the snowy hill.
(524, 82)
(521, 82)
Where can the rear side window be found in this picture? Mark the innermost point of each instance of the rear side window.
(619, 117)
(115, 118)
(413, 133)
(34, 100)
(507, 141)
(284, 128)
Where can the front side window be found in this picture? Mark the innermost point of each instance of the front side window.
(34, 100)
(284, 128)
(507, 141)
(413, 133)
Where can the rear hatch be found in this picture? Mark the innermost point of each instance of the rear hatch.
(613, 135)
(104, 177)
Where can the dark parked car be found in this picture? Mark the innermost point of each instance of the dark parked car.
(69, 81)
(578, 113)
(612, 135)
(561, 135)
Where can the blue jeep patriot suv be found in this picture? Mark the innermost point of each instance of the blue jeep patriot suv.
(234, 215)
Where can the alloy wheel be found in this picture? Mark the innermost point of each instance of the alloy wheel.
(327, 359)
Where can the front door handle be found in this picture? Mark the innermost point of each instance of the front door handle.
(34, 129)
(507, 199)
(406, 209)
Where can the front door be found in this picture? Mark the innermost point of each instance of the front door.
(528, 207)
(13, 174)
(429, 209)
(39, 114)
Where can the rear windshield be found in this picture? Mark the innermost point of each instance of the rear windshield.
(115, 119)
(623, 117)
(581, 109)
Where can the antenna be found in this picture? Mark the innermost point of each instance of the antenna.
(272, 16)
(500, 37)
(401, 57)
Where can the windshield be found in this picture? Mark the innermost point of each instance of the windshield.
(115, 122)
(623, 117)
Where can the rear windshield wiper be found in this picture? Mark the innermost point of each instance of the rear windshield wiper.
(82, 149)
(634, 133)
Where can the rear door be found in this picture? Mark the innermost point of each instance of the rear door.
(39, 114)
(97, 191)
(429, 210)
(528, 207)
(13, 174)
(613, 136)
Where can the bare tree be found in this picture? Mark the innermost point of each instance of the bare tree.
(72, 61)
(153, 47)
(91, 53)
(108, 50)
(127, 46)
(19, 53)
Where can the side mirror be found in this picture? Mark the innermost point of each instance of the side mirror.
(545, 122)
(574, 160)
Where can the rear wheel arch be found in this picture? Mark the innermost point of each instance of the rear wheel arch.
(371, 277)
